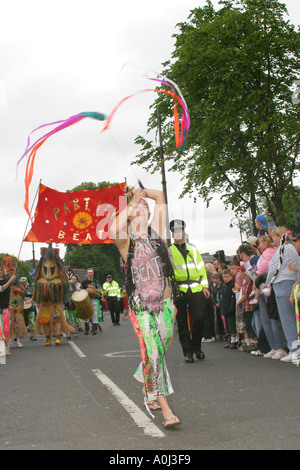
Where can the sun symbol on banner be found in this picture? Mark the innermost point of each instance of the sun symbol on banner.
(82, 220)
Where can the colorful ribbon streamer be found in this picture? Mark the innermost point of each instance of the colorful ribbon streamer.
(181, 128)
(185, 119)
(34, 148)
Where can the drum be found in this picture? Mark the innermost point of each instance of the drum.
(92, 291)
(83, 304)
(27, 305)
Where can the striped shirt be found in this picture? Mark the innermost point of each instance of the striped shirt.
(290, 256)
(246, 290)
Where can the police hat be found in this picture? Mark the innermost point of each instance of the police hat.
(177, 224)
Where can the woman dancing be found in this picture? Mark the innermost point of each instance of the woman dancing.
(148, 271)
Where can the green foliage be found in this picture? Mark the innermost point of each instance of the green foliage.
(102, 258)
(235, 67)
(90, 185)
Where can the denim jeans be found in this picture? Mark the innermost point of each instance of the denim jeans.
(272, 328)
(256, 322)
(286, 310)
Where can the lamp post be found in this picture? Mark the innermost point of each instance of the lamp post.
(232, 224)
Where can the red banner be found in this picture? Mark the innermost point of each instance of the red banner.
(78, 217)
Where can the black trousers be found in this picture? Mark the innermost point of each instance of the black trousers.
(114, 308)
(220, 330)
(196, 302)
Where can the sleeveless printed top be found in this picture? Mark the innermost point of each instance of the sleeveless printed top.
(146, 269)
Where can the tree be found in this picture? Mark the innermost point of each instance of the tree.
(102, 258)
(235, 67)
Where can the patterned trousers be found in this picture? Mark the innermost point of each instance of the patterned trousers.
(154, 332)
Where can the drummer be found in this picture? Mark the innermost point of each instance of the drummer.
(91, 282)
(29, 310)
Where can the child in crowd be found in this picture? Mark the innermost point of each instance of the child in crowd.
(217, 291)
(222, 267)
(235, 269)
(244, 302)
(228, 304)
(267, 249)
(209, 320)
(233, 266)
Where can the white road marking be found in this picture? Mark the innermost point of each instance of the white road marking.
(139, 417)
(76, 349)
(132, 353)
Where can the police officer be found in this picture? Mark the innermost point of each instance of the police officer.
(112, 294)
(192, 283)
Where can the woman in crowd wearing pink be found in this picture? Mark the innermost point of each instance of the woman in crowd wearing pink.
(272, 326)
(267, 250)
(282, 280)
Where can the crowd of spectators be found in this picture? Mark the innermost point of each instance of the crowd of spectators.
(254, 303)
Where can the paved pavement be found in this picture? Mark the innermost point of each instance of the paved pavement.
(82, 396)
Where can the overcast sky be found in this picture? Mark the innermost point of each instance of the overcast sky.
(63, 57)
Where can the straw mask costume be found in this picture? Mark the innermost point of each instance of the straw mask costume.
(49, 291)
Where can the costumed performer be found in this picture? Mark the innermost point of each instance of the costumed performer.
(18, 328)
(148, 271)
(49, 291)
(4, 308)
(71, 312)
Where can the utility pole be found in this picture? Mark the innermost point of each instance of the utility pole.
(163, 174)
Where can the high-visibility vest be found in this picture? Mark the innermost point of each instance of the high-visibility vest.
(189, 272)
(111, 289)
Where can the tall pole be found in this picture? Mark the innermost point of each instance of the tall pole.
(163, 174)
(33, 254)
(36, 194)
